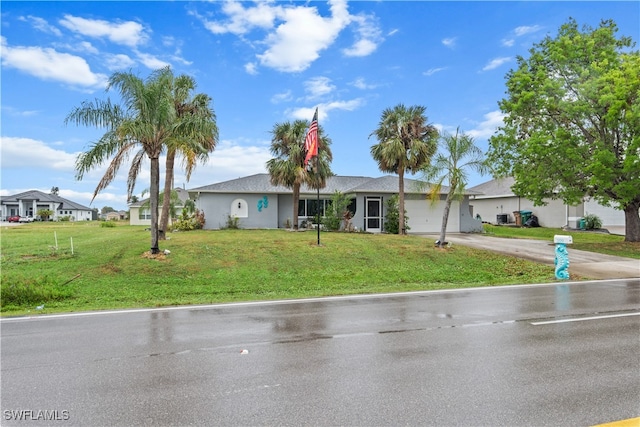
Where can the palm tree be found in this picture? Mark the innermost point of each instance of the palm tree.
(143, 125)
(287, 168)
(194, 145)
(405, 143)
(461, 155)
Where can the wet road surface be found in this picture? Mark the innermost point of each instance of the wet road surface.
(535, 355)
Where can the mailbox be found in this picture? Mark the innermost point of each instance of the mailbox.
(562, 239)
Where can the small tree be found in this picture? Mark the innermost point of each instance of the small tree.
(392, 216)
(336, 210)
(45, 214)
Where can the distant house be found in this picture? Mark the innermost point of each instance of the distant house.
(140, 212)
(259, 204)
(116, 216)
(30, 202)
(497, 200)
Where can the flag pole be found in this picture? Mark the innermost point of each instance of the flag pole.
(318, 201)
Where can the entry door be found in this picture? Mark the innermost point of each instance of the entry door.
(373, 214)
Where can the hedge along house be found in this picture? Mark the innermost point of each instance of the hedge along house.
(31, 202)
(259, 204)
(498, 200)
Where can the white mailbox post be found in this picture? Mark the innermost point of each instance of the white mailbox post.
(562, 256)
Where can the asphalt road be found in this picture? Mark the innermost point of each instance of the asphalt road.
(532, 355)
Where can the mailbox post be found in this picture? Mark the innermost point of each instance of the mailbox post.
(562, 256)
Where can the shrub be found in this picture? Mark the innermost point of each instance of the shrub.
(336, 211)
(188, 222)
(233, 222)
(392, 216)
(107, 224)
(592, 222)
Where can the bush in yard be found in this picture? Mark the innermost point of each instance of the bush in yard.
(336, 211)
(392, 217)
(592, 222)
(19, 291)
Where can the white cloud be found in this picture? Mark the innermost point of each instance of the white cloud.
(369, 36)
(48, 64)
(126, 33)
(150, 61)
(317, 87)
(488, 126)
(432, 71)
(392, 32)
(41, 24)
(450, 42)
(251, 68)
(508, 42)
(523, 30)
(495, 63)
(296, 34)
(26, 152)
(306, 113)
(281, 97)
(360, 83)
(118, 62)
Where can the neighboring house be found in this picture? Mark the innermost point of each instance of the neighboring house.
(30, 202)
(259, 204)
(140, 212)
(116, 216)
(497, 199)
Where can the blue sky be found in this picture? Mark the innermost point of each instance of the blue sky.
(263, 63)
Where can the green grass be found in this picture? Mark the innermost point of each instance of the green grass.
(109, 267)
(592, 241)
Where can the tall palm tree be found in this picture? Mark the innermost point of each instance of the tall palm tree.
(193, 146)
(143, 126)
(406, 142)
(287, 168)
(461, 154)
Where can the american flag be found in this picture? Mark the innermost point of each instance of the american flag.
(311, 140)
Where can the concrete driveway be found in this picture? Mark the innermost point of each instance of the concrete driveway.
(586, 264)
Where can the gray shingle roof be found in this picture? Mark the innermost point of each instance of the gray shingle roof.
(44, 198)
(495, 188)
(260, 183)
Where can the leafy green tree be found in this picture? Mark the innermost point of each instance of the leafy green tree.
(460, 155)
(107, 209)
(195, 144)
(55, 191)
(287, 168)
(406, 142)
(572, 121)
(142, 126)
(45, 214)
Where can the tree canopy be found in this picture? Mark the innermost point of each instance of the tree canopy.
(572, 121)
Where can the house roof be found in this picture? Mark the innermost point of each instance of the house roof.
(495, 188)
(183, 195)
(39, 196)
(261, 183)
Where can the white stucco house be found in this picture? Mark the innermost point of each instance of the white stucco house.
(140, 213)
(497, 199)
(259, 204)
(30, 202)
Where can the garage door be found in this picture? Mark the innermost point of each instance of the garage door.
(427, 218)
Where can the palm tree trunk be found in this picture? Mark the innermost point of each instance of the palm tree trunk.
(166, 199)
(445, 218)
(153, 202)
(296, 199)
(401, 229)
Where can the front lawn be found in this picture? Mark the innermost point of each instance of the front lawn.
(96, 267)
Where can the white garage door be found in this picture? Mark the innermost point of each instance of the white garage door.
(427, 218)
(609, 216)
